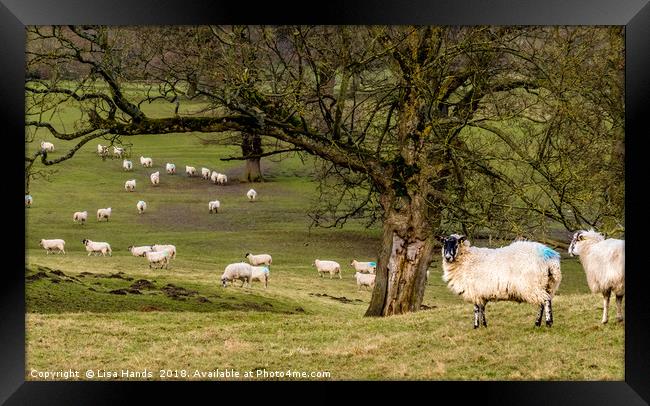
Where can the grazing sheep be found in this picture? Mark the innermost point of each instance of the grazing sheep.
(170, 168)
(364, 267)
(51, 245)
(102, 150)
(127, 165)
(252, 195)
(94, 247)
(155, 178)
(259, 259)
(47, 146)
(118, 152)
(80, 217)
(190, 170)
(260, 273)
(604, 263)
(139, 251)
(330, 267)
(214, 205)
(205, 173)
(222, 179)
(523, 271)
(168, 247)
(146, 162)
(141, 206)
(158, 258)
(239, 270)
(129, 185)
(365, 279)
(28, 200)
(104, 214)
(214, 177)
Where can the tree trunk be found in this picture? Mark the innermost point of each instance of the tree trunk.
(251, 146)
(253, 170)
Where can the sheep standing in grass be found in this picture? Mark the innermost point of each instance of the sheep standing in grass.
(205, 173)
(170, 168)
(190, 171)
(47, 146)
(604, 263)
(127, 165)
(222, 179)
(102, 150)
(365, 279)
(214, 205)
(213, 177)
(364, 267)
(104, 214)
(163, 247)
(129, 185)
(259, 259)
(237, 271)
(80, 217)
(523, 271)
(97, 248)
(252, 195)
(139, 251)
(158, 258)
(155, 178)
(28, 200)
(141, 206)
(118, 152)
(146, 162)
(331, 267)
(261, 274)
(52, 245)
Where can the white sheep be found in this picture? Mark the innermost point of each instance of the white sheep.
(222, 179)
(365, 279)
(129, 185)
(214, 176)
(139, 251)
(155, 178)
(104, 213)
(205, 173)
(261, 274)
(146, 162)
(118, 152)
(604, 263)
(170, 168)
(102, 150)
(141, 206)
(80, 217)
(158, 258)
(214, 205)
(330, 267)
(237, 271)
(51, 245)
(28, 200)
(252, 195)
(94, 247)
(47, 146)
(364, 267)
(259, 259)
(190, 170)
(127, 165)
(168, 247)
(523, 271)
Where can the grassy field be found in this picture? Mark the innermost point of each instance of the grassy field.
(114, 313)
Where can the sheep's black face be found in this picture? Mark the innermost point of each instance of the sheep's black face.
(576, 237)
(450, 247)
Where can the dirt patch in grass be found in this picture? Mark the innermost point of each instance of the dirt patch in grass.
(177, 292)
(141, 284)
(341, 299)
(36, 276)
(119, 275)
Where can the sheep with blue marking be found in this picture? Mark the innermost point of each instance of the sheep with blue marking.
(261, 274)
(604, 263)
(141, 206)
(364, 267)
(524, 271)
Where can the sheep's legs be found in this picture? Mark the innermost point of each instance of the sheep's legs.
(619, 308)
(477, 312)
(538, 322)
(549, 312)
(606, 306)
(483, 320)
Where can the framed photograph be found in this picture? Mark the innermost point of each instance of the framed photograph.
(432, 196)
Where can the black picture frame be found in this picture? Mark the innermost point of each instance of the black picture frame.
(634, 14)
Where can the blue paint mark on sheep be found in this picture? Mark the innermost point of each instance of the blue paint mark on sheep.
(547, 253)
(265, 270)
(372, 263)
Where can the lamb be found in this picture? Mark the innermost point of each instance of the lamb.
(47, 146)
(97, 247)
(214, 176)
(205, 173)
(146, 162)
(118, 152)
(523, 271)
(604, 263)
(104, 214)
(364, 267)
(80, 217)
(168, 247)
(155, 178)
(158, 258)
(222, 179)
(190, 170)
(259, 259)
(252, 195)
(127, 165)
(327, 266)
(239, 270)
(141, 206)
(365, 279)
(170, 168)
(214, 205)
(51, 245)
(28, 200)
(129, 185)
(140, 251)
(260, 273)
